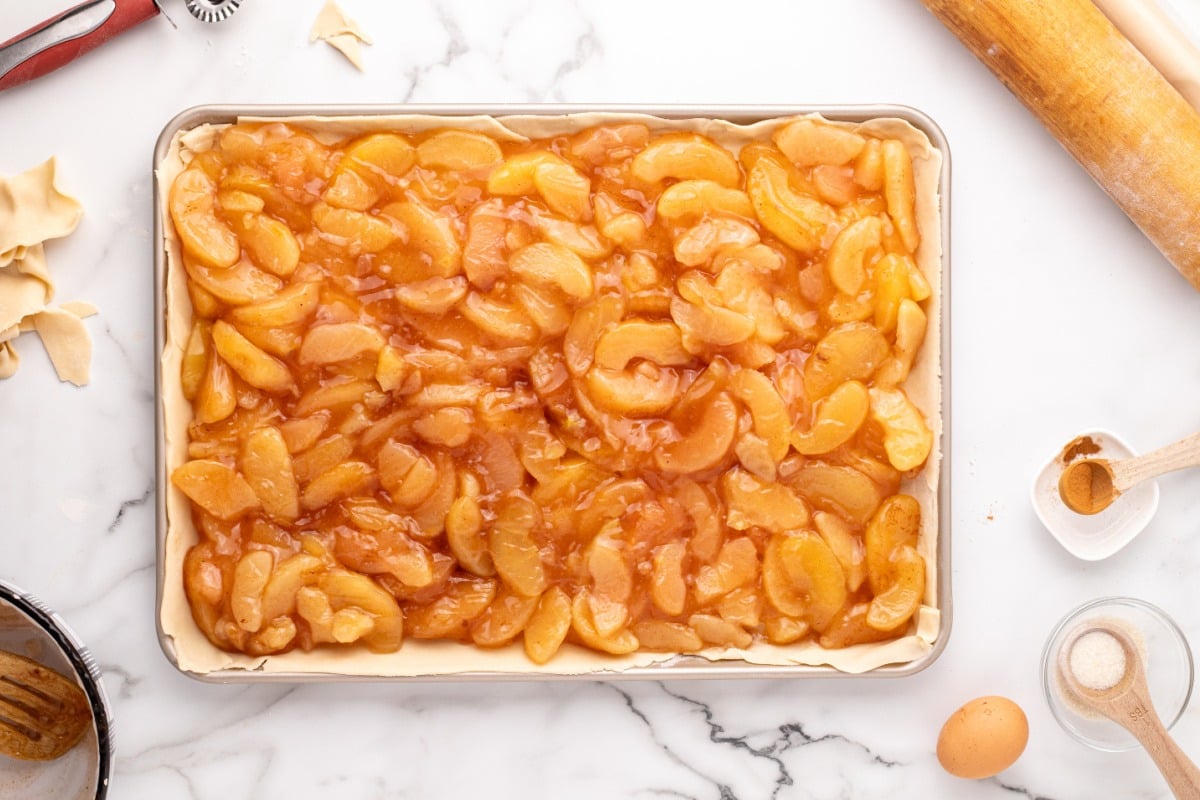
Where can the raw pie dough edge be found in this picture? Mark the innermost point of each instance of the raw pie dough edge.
(193, 653)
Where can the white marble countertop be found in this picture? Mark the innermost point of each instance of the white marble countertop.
(1064, 316)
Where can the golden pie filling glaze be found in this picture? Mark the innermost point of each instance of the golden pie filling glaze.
(631, 390)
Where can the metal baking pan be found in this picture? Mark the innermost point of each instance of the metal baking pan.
(680, 667)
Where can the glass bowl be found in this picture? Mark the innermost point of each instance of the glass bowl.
(1168, 661)
(29, 629)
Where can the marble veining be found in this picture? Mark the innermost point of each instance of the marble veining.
(767, 748)
(128, 504)
(456, 46)
(1035, 247)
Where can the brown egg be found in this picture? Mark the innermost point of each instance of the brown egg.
(983, 737)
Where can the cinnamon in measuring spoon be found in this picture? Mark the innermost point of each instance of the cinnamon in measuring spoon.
(1086, 486)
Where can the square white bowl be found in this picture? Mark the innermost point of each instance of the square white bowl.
(1094, 537)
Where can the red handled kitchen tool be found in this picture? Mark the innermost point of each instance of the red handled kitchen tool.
(58, 41)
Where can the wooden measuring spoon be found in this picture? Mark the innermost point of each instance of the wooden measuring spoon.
(1127, 703)
(1091, 485)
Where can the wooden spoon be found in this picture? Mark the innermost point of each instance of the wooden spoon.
(1091, 485)
(1127, 703)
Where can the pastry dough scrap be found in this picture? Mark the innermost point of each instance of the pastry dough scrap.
(80, 308)
(9, 360)
(67, 342)
(340, 32)
(32, 210)
(32, 262)
(12, 255)
(20, 296)
(333, 21)
(348, 46)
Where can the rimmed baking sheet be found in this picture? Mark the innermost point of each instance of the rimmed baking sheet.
(190, 652)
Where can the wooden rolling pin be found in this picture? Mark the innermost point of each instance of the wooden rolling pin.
(1104, 102)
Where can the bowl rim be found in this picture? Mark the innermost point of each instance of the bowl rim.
(85, 670)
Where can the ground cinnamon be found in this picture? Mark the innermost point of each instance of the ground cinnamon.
(1079, 447)
(1086, 487)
